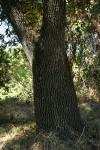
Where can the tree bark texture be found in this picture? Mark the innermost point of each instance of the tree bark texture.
(56, 106)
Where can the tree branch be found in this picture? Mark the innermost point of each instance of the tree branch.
(24, 20)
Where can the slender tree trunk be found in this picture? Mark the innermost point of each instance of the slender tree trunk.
(56, 106)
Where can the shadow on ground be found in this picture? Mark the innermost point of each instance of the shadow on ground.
(15, 111)
(25, 140)
(90, 112)
(18, 130)
(16, 123)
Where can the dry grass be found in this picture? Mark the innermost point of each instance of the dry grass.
(18, 132)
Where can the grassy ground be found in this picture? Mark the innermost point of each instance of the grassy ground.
(18, 130)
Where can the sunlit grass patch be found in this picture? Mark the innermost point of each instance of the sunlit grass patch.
(13, 132)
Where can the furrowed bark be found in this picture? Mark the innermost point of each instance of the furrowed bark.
(56, 106)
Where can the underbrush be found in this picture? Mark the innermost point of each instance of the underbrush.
(15, 74)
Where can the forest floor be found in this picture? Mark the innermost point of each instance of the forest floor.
(18, 129)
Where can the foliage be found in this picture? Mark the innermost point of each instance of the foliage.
(80, 23)
(82, 39)
(87, 75)
(86, 68)
(16, 78)
(31, 11)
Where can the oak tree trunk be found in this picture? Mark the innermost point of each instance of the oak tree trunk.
(56, 106)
